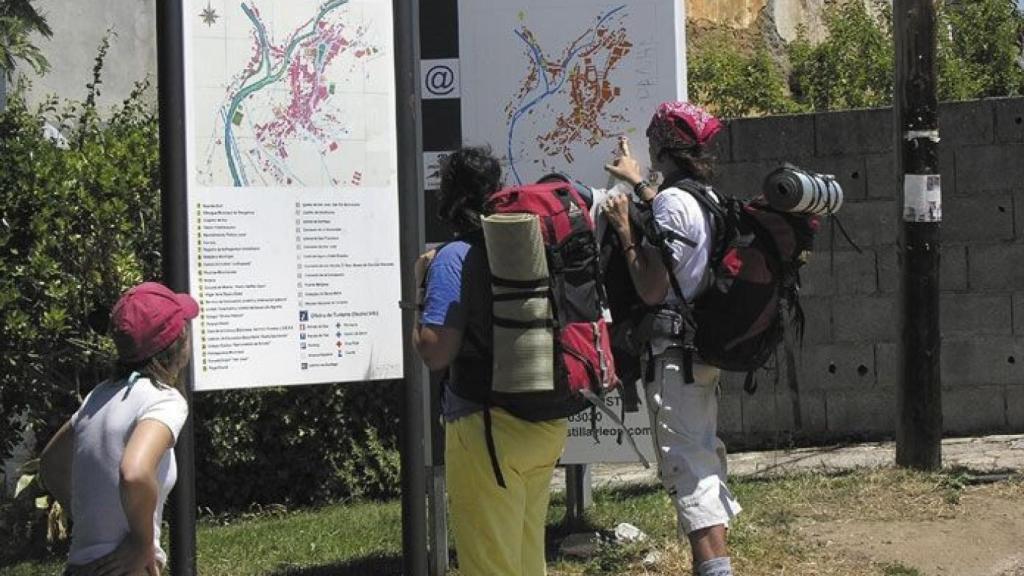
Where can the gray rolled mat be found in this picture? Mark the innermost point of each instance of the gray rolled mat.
(523, 357)
(790, 189)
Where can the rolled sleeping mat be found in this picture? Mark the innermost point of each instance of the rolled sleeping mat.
(790, 189)
(523, 329)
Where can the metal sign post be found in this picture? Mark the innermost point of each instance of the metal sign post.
(173, 206)
(410, 152)
(919, 429)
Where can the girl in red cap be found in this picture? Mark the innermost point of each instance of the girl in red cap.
(112, 464)
(684, 415)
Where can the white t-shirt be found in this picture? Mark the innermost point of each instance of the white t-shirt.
(676, 210)
(679, 211)
(102, 427)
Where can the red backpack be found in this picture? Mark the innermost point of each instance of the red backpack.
(737, 323)
(584, 367)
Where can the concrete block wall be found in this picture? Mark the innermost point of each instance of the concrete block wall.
(848, 365)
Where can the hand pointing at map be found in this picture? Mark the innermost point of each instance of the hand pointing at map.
(625, 167)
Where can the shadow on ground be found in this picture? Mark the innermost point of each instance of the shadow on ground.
(377, 565)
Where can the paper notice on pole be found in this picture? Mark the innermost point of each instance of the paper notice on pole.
(292, 192)
(922, 198)
(594, 438)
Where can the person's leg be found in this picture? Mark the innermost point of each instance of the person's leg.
(543, 443)
(684, 427)
(486, 518)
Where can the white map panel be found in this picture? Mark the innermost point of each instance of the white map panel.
(292, 191)
(551, 85)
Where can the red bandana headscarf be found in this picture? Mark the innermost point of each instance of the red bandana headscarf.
(678, 125)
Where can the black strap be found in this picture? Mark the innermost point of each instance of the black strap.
(688, 365)
(525, 295)
(519, 284)
(523, 324)
(489, 438)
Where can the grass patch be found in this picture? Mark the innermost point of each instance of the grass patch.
(767, 539)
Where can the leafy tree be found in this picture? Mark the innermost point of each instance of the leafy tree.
(18, 21)
(980, 50)
(734, 83)
(852, 68)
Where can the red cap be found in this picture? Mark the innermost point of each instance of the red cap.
(148, 318)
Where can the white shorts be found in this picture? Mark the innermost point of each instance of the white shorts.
(691, 457)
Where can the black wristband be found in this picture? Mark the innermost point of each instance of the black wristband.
(638, 188)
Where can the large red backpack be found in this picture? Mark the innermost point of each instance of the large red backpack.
(584, 367)
(738, 322)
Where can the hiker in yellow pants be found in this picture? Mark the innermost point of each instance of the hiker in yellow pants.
(499, 530)
(485, 516)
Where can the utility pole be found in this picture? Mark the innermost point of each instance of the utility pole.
(919, 430)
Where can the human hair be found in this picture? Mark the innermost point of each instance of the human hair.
(694, 162)
(468, 177)
(163, 368)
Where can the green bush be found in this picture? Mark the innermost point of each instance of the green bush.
(980, 50)
(297, 446)
(732, 83)
(852, 68)
(80, 223)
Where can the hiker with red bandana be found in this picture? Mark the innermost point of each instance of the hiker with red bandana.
(681, 392)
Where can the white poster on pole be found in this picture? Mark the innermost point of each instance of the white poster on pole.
(604, 442)
(551, 85)
(292, 191)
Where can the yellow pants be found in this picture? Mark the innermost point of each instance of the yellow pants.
(500, 531)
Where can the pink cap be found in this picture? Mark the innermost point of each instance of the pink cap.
(149, 318)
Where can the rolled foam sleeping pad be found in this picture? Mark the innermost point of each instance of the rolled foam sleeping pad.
(523, 357)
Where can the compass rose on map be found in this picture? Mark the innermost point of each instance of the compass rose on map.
(209, 15)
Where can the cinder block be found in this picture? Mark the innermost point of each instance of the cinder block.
(1009, 114)
(989, 168)
(721, 146)
(882, 178)
(834, 367)
(730, 414)
(947, 169)
(976, 314)
(864, 318)
(861, 411)
(966, 123)
(812, 410)
(773, 137)
(840, 272)
(1018, 314)
(974, 410)
(817, 319)
(761, 413)
(869, 223)
(981, 360)
(850, 173)
(1015, 409)
(1018, 218)
(996, 267)
(952, 268)
(887, 365)
(977, 217)
(742, 179)
(855, 132)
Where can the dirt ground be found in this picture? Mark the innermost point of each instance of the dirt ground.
(982, 535)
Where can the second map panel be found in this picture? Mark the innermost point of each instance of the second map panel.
(552, 85)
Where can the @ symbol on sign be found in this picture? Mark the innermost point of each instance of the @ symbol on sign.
(441, 80)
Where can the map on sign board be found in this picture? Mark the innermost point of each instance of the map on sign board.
(292, 161)
(568, 78)
(285, 93)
